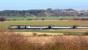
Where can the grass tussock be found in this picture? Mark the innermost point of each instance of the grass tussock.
(12, 41)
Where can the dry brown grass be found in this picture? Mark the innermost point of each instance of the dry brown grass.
(14, 41)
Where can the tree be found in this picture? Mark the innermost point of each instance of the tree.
(2, 19)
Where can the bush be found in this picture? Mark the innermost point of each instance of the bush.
(43, 35)
(28, 19)
(84, 18)
(34, 34)
(2, 19)
(86, 33)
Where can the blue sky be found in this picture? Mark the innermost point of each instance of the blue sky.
(42, 4)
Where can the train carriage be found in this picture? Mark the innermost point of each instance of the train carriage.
(46, 27)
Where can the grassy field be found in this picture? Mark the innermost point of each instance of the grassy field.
(4, 25)
(43, 39)
(12, 41)
(38, 18)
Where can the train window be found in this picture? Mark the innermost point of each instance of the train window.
(28, 27)
(22, 27)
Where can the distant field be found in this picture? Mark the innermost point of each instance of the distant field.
(4, 25)
(39, 18)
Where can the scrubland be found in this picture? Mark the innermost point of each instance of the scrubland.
(16, 41)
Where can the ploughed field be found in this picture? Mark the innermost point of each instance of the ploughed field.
(4, 25)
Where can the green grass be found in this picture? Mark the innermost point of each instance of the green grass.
(9, 18)
(4, 25)
(59, 31)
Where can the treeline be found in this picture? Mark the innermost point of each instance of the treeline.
(43, 12)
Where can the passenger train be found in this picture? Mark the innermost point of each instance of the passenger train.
(41, 27)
